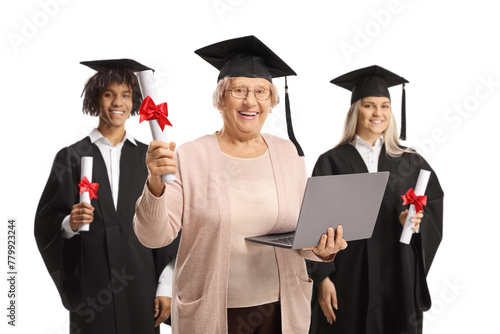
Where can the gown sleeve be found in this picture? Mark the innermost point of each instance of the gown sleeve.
(60, 255)
(425, 244)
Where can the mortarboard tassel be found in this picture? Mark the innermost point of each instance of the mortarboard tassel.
(402, 135)
(289, 122)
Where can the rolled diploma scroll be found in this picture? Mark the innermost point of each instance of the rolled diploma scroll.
(148, 87)
(423, 179)
(85, 197)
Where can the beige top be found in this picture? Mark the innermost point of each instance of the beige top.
(253, 270)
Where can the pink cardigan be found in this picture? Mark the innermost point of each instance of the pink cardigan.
(198, 202)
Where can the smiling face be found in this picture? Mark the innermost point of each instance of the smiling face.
(244, 118)
(373, 119)
(115, 105)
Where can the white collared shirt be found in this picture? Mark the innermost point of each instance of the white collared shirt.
(370, 154)
(165, 281)
(111, 155)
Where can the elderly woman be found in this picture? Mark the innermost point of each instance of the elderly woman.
(377, 285)
(230, 185)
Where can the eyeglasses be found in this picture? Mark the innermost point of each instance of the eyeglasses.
(260, 94)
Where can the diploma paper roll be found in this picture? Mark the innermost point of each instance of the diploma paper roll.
(148, 87)
(423, 179)
(85, 197)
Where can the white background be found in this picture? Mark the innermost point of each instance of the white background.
(448, 50)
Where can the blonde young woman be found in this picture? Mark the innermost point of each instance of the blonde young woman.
(377, 285)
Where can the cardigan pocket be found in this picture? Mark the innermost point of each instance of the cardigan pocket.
(306, 287)
(196, 316)
(298, 308)
(188, 309)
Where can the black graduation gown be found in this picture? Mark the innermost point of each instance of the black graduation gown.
(106, 278)
(380, 282)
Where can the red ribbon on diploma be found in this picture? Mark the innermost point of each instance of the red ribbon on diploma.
(149, 111)
(85, 185)
(418, 201)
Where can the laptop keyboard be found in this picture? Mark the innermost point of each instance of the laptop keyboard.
(284, 241)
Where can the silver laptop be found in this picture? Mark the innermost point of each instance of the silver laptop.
(350, 200)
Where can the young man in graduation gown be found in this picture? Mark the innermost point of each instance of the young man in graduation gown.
(378, 285)
(106, 278)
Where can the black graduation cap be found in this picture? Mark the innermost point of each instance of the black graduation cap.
(373, 81)
(249, 57)
(245, 57)
(131, 64)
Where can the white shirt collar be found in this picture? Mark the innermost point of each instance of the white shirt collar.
(357, 142)
(369, 154)
(95, 135)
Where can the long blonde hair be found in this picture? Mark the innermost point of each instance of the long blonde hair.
(390, 135)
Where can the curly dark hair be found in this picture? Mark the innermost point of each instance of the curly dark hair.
(100, 80)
